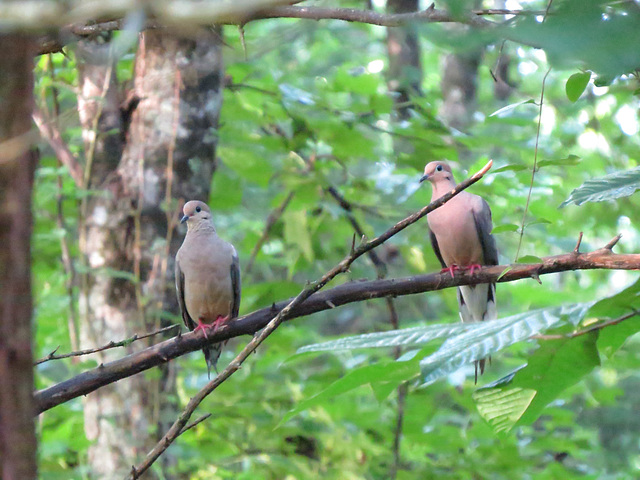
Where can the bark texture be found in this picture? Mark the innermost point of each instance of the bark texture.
(151, 151)
(17, 163)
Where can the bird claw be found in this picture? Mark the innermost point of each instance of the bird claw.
(451, 269)
(219, 321)
(474, 267)
(202, 326)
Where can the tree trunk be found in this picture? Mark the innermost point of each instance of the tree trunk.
(161, 154)
(17, 163)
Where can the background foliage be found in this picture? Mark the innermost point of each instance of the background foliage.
(308, 109)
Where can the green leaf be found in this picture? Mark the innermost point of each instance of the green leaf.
(569, 160)
(609, 187)
(529, 259)
(407, 337)
(513, 168)
(576, 85)
(502, 407)
(297, 232)
(510, 107)
(506, 227)
(552, 368)
(485, 338)
(504, 272)
(379, 372)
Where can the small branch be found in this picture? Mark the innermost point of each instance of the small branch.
(612, 243)
(112, 344)
(577, 249)
(350, 292)
(593, 328)
(52, 135)
(285, 313)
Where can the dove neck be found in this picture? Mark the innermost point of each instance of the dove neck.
(203, 227)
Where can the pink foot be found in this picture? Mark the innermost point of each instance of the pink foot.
(451, 269)
(202, 326)
(474, 267)
(219, 321)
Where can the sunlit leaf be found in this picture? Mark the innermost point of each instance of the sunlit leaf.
(506, 227)
(576, 84)
(529, 259)
(510, 107)
(609, 187)
(486, 338)
(503, 407)
(408, 337)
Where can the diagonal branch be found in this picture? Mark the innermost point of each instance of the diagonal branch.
(53, 137)
(358, 291)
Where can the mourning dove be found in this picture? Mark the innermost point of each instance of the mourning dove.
(207, 277)
(460, 233)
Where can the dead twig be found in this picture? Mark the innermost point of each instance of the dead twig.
(111, 344)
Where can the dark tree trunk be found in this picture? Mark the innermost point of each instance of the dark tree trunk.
(162, 154)
(17, 163)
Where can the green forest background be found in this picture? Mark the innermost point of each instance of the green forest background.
(306, 108)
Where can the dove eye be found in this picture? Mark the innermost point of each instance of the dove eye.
(198, 209)
(439, 168)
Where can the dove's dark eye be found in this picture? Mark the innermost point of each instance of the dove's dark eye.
(439, 168)
(198, 209)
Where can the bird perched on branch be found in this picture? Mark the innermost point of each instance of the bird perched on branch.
(207, 277)
(460, 233)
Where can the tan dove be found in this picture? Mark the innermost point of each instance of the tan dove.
(460, 233)
(207, 277)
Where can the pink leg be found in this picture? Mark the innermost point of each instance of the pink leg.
(451, 269)
(202, 326)
(474, 267)
(219, 321)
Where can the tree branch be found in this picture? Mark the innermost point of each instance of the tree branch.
(53, 137)
(357, 291)
(104, 374)
(236, 16)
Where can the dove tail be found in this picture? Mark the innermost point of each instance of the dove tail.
(211, 356)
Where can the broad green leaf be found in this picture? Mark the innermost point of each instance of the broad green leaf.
(506, 227)
(521, 397)
(529, 259)
(555, 366)
(485, 338)
(513, 168)
(576, 85)
(297, 232)
(609, 187)
(502, 407)
(408, 337)
(619, 304)
(380, 372)
(569, 160)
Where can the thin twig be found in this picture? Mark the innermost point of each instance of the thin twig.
(235, 364)
(535, 165)
(592, 328)
(577, 248)
(111, 344)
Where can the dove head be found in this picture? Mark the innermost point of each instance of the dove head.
(196, 214)
(438, 173)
